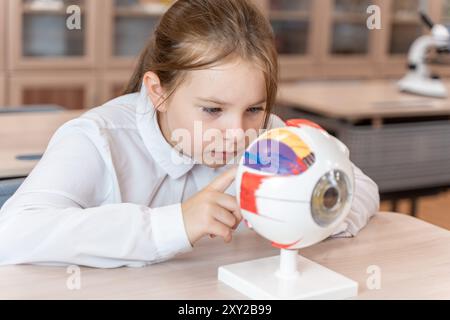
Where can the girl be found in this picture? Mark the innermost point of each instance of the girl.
(116, 188)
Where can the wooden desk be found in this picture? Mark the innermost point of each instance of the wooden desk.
(374, 118)
(27, 133)
(414, 258)
(356, 100)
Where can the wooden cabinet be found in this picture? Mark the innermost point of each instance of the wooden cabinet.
(349, 35)
(2, 35)
(297, 34)
(402, 26)
(291, 21)
(405, 25)
(2, 54)
(442, 62)
(316, 39)
(323, 38)
(347, 45)
(113, 83)
(128, 26)
(2, 90)
(52, 34)
(445, 12)
(76, 90)
(330, 38)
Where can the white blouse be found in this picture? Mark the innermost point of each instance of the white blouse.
(107, 193)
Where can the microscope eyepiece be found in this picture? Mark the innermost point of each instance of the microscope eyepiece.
(426, 20)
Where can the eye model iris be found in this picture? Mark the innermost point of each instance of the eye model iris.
(330, 198)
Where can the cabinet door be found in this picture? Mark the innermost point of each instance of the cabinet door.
(2, 90)
(2, 35)
(71, 90)
(113, 83)
(347, 43)
(52, 34)
(444, 16)
(291, 21)
(403, 27)
(128, 28)
(296, 34)
(349, 33)
(440, 63)
(406, 25)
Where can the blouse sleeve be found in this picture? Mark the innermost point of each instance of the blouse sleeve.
(59, 215)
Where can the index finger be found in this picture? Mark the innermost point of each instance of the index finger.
(222, 182)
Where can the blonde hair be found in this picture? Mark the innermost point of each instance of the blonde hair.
(197, 34)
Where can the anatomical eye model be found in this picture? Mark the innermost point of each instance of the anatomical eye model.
(295, 187)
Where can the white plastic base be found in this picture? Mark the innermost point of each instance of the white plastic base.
(415, 84)
(261, 279)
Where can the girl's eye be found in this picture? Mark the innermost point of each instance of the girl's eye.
(212, 111)
(255, 110)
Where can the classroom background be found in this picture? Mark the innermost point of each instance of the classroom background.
(334, 70)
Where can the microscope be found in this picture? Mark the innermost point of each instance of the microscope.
(419, 79)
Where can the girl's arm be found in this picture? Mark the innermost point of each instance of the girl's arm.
(366, 203)
(56, 217)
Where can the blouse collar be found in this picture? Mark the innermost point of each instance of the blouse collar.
(175, 164)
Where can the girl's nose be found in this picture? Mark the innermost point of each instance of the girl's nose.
(236, 124)
(235, 133)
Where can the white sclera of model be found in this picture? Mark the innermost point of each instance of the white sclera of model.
(301, 210)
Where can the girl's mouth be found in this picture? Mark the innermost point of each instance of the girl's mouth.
(224, 157)
(221, 154)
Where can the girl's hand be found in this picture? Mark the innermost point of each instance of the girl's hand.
(211, 211)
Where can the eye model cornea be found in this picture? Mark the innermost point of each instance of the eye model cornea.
(331, 194)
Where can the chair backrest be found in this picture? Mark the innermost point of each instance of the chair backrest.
(31, 108)
(8, 188)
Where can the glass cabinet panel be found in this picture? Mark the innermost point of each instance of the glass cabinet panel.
(441, 61)
(68, 97)
(350, 35)
(290, 20)
(406, 25)
(2, 91)
(290, 5)
(351, 6)
(2, 35)
(134, 22)
(113, 83)
(69, 89)
(446, 12)
(45, 32)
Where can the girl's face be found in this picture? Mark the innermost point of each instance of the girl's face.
(214, 113)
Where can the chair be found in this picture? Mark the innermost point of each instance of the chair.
(31, 108)
(8, 188)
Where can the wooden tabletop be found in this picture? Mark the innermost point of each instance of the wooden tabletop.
(412, 256)
(355, 100)
(27, 134)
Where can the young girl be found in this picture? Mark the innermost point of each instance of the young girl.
(115, 188)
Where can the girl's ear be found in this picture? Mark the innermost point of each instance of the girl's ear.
(155, 91)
